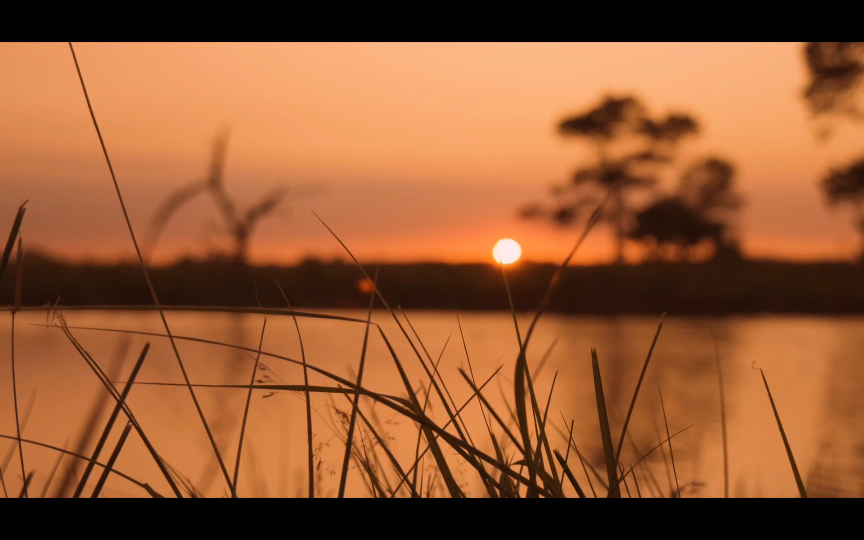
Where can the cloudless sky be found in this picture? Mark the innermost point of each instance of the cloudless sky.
(418, 151)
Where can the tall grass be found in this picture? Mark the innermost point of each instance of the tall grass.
(110, 424)
(146, 273)
(798, 481)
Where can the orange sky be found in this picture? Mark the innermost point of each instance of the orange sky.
(424, 151)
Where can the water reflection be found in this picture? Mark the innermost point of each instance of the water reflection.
(811, 363)
(838, 468)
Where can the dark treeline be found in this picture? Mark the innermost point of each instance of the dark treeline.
(713, 288)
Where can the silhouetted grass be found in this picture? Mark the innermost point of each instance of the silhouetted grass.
(605, 432)
(669, 440)
(110, 424)
(798, 481)
(310, 454)
(10, 243)
(111, 460)
(146, 273)
(722, 420)
(56, 466)
(246, 411)
(355, 403)
(65, 452)
(636, 394)
(15, 309)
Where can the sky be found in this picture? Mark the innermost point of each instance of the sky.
(410, 152)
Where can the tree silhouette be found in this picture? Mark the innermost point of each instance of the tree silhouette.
(628, 147)
(238, 224)
(845, 186)
(670, 229)
(702, 209)
(836, 71)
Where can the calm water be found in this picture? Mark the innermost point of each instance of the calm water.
(813, 365)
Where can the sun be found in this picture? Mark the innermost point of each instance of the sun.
(506, 251)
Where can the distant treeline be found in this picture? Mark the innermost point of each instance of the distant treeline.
(714, 288)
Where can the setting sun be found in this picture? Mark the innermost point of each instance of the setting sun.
(506, 251)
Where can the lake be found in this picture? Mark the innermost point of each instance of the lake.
(812, 364)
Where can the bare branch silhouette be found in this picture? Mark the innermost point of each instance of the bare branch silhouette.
(238, 224)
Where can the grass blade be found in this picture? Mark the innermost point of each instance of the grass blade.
(585, 463)
(722, 420)
(659, 445)
(54, 471)
(310, 451)
(605, 433)
(209, 309)
(626, 487)
(246, 412)
(498, 452)
(110, 424)
(666, 466)
(798, 481)
(492, 411)
(569, 474)
(636, 394)
(585, 470)
(425, 407)
(355, 403)
(23, 494)
(111, 460)
(567, 456)
(291, 388)
(19, 275)
(13, 235)
(653, 480)
(146, 273)
(544, 359)
(571, 443)
(669, 439)
(19, 272)
(635, 480)
(542, 437)
(311, 367)
(85, 458)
